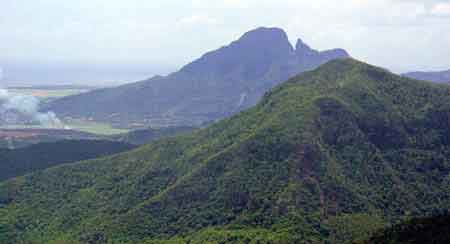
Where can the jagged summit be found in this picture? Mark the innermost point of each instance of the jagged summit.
(265, 35)
(247, 58)
(301, 47)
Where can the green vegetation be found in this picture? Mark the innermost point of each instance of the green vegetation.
(237, 236)
(332, 155)
(21, 161)
(95, 128)
(92, 127)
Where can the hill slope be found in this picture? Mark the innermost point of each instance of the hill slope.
(216, 85)
(21, 161)
(333, 154)
(439, 77)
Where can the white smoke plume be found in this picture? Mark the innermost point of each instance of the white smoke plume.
(17, 109)
(24, 109)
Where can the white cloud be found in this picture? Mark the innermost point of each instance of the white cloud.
(235, 3)
(441, 9)
(177, 31)
(198, 19)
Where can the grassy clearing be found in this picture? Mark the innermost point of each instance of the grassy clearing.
(96, 128)
(89, 127)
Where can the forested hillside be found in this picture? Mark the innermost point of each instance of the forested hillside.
(332, 155)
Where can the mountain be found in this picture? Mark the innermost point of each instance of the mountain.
(216, 85)
(331, 155)
(416, 231)
(439, 77)
(40, 156)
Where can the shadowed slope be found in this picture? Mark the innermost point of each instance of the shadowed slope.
(17, 162)
(432, 230)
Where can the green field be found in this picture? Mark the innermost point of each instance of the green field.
(89, 127)
(95, 128)
(47, 93)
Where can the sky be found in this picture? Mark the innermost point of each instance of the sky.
(116, 41)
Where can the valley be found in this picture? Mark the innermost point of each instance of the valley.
(28, 159)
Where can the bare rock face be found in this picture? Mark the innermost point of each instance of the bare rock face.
(218, 84)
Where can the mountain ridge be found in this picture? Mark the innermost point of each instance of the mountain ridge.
(435, 76)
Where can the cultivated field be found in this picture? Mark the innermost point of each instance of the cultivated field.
(94, 127)
(49, 92)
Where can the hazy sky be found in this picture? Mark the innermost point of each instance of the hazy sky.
(118, 40)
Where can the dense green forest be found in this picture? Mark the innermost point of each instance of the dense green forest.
(17, 162)
(430, 230)
(332, 155)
